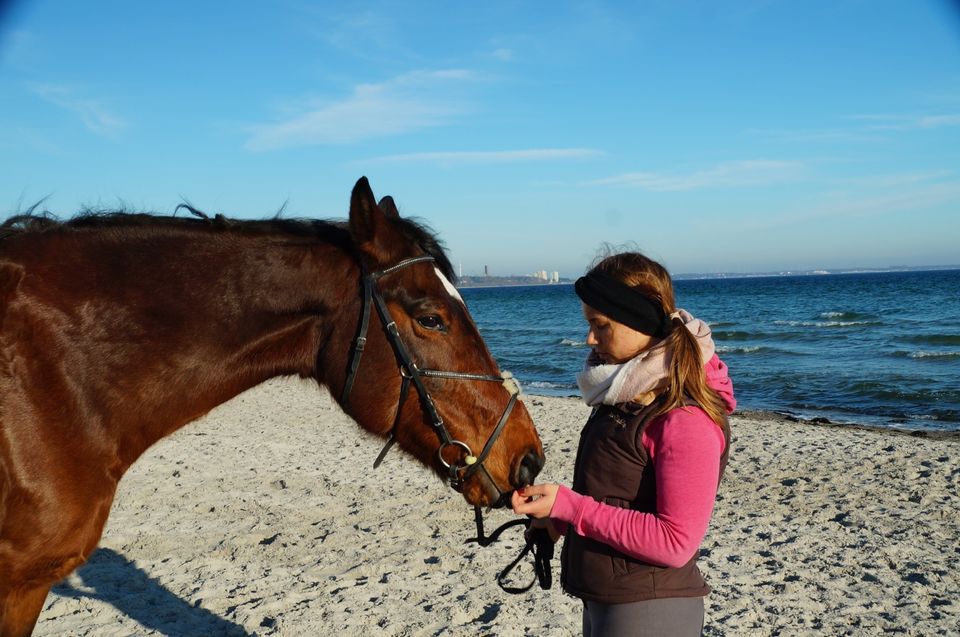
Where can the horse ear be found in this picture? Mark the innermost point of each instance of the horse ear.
(389, 208)
(10, 276)
(370, 225)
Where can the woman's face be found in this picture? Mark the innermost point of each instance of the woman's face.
(613, 342)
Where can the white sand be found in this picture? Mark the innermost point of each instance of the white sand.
(266, 518)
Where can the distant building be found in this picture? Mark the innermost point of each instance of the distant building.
(547, 277)
(486, 270)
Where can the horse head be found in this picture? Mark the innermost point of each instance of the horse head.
(427, 380)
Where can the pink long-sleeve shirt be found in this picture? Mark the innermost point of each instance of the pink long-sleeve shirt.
(684, 446)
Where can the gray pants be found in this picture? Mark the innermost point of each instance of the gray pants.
(670, 617)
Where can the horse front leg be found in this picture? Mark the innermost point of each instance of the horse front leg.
(20, 609)
(21, 600)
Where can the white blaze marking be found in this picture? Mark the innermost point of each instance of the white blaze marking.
(449, 286)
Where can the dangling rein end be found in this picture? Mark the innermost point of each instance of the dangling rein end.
(383, 452)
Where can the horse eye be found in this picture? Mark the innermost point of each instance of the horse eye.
(431, 322)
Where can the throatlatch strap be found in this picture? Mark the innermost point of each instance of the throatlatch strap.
(391, 440)
(360, 343)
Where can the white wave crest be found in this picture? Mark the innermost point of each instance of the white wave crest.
(749, 349)
(545, 384)
(822, 323)
(934, 354)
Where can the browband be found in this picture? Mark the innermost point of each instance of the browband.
(623, 303)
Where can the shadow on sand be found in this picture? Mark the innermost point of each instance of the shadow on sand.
(110, 577)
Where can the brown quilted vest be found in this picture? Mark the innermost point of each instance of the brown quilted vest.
(613, 467)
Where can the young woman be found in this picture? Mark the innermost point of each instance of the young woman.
(650, 457)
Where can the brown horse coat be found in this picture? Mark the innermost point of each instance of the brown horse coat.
(116, 331)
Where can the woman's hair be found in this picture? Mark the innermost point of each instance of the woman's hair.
(686, 376)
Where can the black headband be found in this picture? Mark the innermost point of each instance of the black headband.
(622, 303)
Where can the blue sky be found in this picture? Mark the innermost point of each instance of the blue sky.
(718, 137)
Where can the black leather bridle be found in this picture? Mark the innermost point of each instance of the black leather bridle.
(457, 472)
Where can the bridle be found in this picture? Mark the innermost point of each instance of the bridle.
(457, 473)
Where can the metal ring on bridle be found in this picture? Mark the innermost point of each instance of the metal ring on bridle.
(455, 443)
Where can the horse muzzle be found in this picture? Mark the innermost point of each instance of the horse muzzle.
(528, 469)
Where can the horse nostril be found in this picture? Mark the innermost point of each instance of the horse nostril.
(530, 466)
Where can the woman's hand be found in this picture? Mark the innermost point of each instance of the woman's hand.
(543, 523)
(535, 501)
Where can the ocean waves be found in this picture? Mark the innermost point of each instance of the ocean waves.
(933, 339)
(758, 349)
(851, 348)
(828, 323)
(931, 356)
(547, 388)
(844, 316)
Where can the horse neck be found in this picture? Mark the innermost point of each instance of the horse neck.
(196, 320)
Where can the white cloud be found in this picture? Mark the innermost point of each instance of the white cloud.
(829, 136)
(897, 180)
(92, 113)
(910, 122)
(864, 197)
(755, 172)
(410, 102)
(489, 157)
(503, 54)
(868, 128)
(867, 204)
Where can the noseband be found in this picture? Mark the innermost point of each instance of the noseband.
(457, 472)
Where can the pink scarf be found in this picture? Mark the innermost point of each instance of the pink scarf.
(641, 375)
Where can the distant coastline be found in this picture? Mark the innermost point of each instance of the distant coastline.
(516, 281)
(819, 272)
(504, 281)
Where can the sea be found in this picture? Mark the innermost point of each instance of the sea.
(880, 349)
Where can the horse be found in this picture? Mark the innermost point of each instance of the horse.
(117, 329)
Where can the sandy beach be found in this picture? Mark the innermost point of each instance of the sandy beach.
(266, 518)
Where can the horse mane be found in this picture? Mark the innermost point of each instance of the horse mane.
(334, 232)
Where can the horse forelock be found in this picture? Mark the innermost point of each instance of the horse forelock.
(419, 233)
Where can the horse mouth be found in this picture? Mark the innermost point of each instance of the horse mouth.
(495, 496)
(486, 492)
(527, 470)
(483, 489)
(504, 501)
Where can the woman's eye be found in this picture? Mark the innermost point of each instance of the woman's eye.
(431, 322)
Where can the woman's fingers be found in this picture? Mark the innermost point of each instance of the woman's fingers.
(533, 490)
(534, 500)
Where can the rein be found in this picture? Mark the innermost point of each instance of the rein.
(538, 540)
